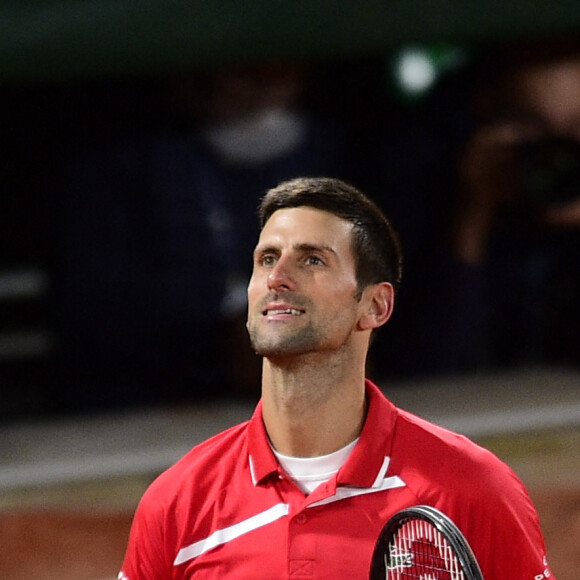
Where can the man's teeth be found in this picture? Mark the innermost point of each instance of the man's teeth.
(292, 311)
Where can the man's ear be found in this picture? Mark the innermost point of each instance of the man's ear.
(378, 301)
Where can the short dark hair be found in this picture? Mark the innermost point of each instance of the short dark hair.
(375, 244)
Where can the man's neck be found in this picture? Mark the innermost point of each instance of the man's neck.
(310, 413)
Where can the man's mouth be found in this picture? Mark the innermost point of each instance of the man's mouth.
(283, 311)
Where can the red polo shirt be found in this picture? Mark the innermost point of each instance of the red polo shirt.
(227, 509)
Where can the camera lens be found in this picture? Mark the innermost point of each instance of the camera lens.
(551, 171)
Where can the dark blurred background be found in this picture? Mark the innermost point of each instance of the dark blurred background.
(138, 138)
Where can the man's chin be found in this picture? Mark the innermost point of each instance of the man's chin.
(273, 353)
(280, 345)
(274, 350)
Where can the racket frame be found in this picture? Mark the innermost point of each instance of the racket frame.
(442, 523)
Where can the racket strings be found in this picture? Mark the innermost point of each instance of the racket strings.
(419, 551)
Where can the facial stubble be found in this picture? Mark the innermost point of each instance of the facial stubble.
(280, 342)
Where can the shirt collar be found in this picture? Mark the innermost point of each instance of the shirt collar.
(366, 460)
(263, 462)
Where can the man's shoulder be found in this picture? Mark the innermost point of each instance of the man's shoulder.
(205, 465)
(441, 455)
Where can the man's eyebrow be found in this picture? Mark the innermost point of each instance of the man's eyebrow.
(314, 248)
(304, 247)
(265, 249)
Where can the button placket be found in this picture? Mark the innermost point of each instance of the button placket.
(301, 548)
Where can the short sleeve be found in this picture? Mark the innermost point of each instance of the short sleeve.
(145, 557)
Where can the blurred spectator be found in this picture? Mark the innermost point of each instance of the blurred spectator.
(156, 231)
(494, 235)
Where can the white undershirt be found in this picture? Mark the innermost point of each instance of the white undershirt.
(309, 472)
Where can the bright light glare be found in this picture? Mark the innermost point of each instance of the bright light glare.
(416, 71)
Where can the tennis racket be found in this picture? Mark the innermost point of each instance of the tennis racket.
(422, 543)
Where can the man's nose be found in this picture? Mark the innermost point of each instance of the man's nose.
(281, 276)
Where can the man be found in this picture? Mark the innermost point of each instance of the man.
(514, 233)
(303, 489)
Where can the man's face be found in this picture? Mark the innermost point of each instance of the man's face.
(550, 95)
(302, 296)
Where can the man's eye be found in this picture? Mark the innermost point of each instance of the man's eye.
(268, 260)
(314, 261)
